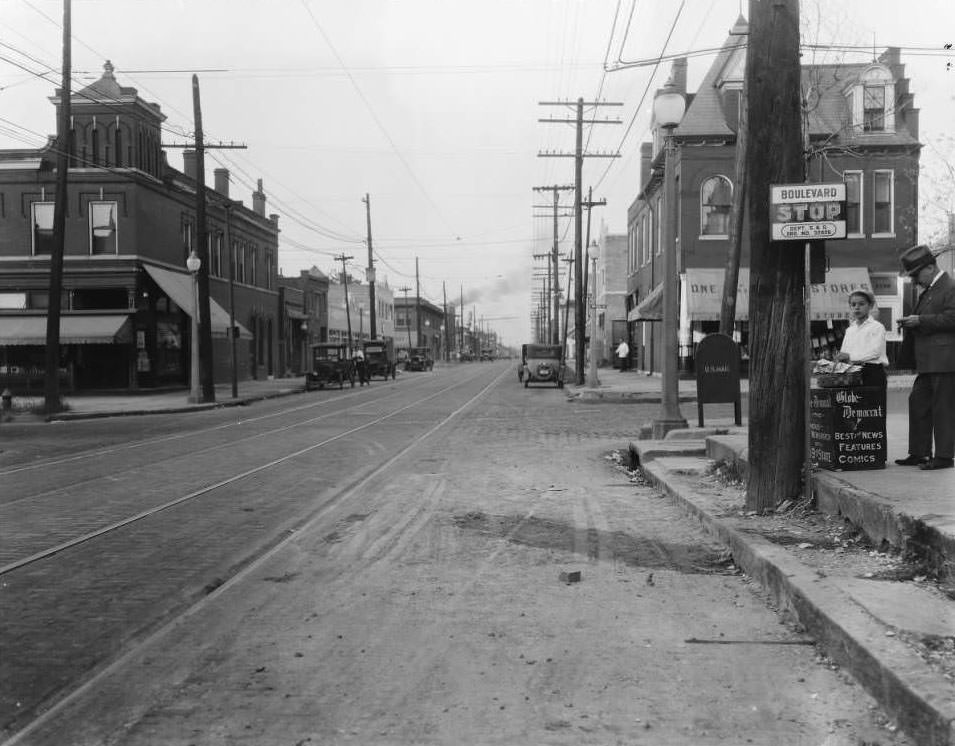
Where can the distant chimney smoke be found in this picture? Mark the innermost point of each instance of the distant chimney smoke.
(222, 181)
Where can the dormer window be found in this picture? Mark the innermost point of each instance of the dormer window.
(873, 108)
(871, 101)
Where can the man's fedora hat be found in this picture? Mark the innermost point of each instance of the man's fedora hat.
(913, 259)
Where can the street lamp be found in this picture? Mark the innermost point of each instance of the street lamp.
(193, 262)
(668, 108)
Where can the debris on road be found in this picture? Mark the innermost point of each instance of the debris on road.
(570, 577)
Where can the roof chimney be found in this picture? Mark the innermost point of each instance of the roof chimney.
(678, 74)
(222, 181)
(258, 200)
(189, 163)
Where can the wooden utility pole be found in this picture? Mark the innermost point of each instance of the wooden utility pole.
(589, 204)
(777, 321)
(405, 290)
(461, 297)
(370, 273)
(417, 303)
(554, 333)
(206, 373)
(343, 258)
(446, 336)
(580, 312)
(51, 374)
(731, 275)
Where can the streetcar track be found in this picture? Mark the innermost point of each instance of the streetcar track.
(116, 525)
(203, 451)
(283, 539)
(111, 450)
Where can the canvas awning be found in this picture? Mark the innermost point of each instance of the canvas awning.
(294, 313)
(828, 301)
(178, 286)
(650, 308)
(74, 330)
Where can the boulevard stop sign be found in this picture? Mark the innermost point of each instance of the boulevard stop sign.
(807, 212)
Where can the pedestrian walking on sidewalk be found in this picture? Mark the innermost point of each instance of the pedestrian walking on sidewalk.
(623, 354)
(929, 335)
(864, 341)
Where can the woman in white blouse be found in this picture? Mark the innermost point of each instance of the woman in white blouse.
(864, 341)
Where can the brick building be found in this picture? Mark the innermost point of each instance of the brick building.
(863, 130)
(130, 224)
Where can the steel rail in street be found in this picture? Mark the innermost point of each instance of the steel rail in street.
(117, 525)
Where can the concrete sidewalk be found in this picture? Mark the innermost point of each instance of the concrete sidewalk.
(896, 635)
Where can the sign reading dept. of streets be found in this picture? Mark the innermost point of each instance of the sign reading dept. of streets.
(807, 212)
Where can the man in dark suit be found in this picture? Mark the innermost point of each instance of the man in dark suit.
(931, 329)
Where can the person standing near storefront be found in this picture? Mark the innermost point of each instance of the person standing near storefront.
(930, 329)
(864, 340)
(623, 354)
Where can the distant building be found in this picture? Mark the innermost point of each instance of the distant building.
(303, 318)
(611, 294)
(358, 315)
(863, 131)
(130, 224)
(425, 330)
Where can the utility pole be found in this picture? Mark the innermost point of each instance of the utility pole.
(232, 341)
(370, 272)
(417, 303)
(594, 381)
(778, 365)
(405, 290)
(589, 204)
(731, 274)
(446, 341)
(578, 155)
(461, 306)
(51, 373)
(206, 374)
(554, 261)
(343, 258)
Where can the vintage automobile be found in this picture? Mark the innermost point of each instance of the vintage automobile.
(330, 364)
(419, 358)
(544, 364)
(380, 358)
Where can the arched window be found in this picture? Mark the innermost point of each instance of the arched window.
(716, 200)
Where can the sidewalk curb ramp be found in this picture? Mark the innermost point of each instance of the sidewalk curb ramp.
(918, 698)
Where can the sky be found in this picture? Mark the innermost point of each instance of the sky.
(432, 109)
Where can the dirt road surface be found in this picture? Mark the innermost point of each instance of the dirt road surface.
(434, 605)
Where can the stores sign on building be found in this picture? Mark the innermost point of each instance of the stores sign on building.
(808, 212)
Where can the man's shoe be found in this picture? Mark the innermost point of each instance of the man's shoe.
(913, 460)
(937, 463)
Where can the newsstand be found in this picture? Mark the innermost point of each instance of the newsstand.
(847, 427)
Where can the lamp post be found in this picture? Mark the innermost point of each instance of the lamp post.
(193, 262)
(304, 358)
(668, 108)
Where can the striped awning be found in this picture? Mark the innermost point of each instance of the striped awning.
(178, 286)
(74, 330)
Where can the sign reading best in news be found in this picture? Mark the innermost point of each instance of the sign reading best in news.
(807, 212)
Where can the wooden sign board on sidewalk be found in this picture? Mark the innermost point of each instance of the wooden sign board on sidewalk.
(717, 374)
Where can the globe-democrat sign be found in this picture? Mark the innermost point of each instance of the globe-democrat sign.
(807, 212)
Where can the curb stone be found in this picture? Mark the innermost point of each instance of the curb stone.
(911, 693)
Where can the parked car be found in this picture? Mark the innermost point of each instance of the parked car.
(544, 364)
(419, 358)
(330, 363)
(380, 358)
